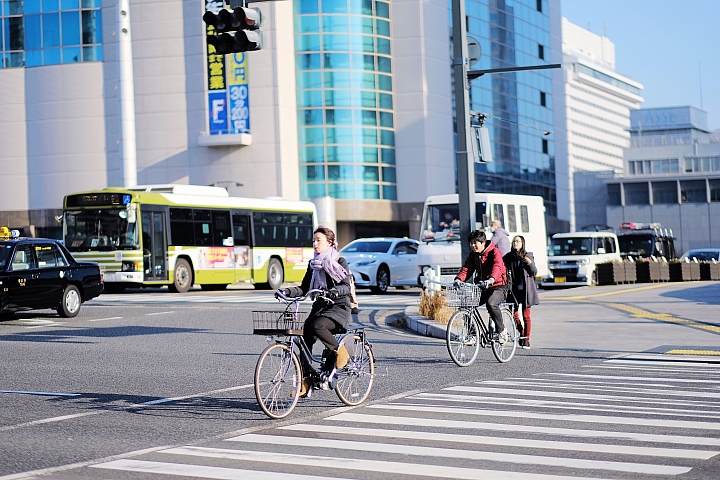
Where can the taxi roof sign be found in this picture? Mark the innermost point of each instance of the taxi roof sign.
(5, 232)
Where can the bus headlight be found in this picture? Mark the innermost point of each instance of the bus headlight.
(131, 266)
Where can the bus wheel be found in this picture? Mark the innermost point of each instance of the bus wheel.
(275, 276)
(183, 278)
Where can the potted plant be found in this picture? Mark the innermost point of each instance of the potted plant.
(610, 273)
(680, 271)
(630, 269)
(710, 270)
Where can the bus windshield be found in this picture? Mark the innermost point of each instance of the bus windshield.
(442, 222)
(570, 246)
(107, 229)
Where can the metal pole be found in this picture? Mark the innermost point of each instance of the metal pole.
(465, 163)
(127, 97)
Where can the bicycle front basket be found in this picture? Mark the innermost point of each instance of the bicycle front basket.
(466, 295)
(279, 322)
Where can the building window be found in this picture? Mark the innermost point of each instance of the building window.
(614, 195)
(693, 191)
(664, 192)
(34, 33)
(714, 190)
(543, 99)
(637, 194)
(541, 52)
(545, 148)
(539, 5)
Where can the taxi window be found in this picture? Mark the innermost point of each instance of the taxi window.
(5, 250)
(23, 258)
(48, 256)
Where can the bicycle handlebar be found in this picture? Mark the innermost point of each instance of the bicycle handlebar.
(320, 293)
(465, 285)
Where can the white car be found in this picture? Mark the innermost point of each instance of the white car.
(702, 254)
(381, 263)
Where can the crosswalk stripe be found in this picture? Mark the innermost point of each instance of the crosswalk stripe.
(590, 383)
(651, 469)
(525, 402)
(366, 465)
(641, 379)
(569, 432)
(201, 471)
(560, 418)
(504, 441)
(586, 396)
(685, 371)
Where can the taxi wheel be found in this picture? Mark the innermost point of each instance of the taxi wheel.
(70, 304)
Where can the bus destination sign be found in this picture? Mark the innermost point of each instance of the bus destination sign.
(98, 200)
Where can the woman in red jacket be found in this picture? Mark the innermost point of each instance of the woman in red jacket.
(486, 260)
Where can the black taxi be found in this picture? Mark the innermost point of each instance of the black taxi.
(40, 273)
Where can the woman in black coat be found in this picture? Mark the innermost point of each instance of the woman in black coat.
(330, 272)
(521, 268)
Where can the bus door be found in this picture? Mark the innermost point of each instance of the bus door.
(242, 245)
(154, 243)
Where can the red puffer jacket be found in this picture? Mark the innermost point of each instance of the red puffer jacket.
(488, 264)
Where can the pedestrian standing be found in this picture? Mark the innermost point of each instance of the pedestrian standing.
(521, 269)
(501, 237)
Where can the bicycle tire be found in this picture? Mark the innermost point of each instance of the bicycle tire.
(355, 380)
(504, 352)
(278, 377)
(463, 338)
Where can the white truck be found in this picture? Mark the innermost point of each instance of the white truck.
(440, 230)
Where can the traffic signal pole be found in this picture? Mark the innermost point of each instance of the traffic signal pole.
(464, 162)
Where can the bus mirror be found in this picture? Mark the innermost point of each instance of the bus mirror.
(228, 242)
(131, 218)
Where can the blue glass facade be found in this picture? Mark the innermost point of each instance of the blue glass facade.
(344, 82)
(49, 32)
(515, 33)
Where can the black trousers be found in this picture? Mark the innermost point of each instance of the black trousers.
(322, 328)
(492, 298)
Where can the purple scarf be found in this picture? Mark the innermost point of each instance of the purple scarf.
(326, 261)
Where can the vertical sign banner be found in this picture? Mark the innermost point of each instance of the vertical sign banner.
(238, 93)
(217, 92)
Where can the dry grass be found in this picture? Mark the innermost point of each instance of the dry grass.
(434, 305)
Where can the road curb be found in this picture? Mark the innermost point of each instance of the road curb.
(423, 325)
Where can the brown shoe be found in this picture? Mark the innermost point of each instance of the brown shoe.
(304, 387)
(341, 357)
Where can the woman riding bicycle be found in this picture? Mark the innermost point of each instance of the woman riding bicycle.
(327, 271)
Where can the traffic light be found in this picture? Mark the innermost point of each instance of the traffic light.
(244, 21)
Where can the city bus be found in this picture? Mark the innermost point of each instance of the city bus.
(440, 229)
(181, 235)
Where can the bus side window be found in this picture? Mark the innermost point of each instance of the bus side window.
(241, 229)
(524, 219)
(512, 221)
(221, 226)
(498, 214)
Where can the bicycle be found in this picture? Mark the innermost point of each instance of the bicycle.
(467, 332)
(279, 375)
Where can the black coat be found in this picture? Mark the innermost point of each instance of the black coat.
(340, 311)
(523, 275)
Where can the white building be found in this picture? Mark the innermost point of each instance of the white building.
(598, 101)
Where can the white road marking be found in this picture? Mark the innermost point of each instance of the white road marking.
(48, 420)
(212, 392)
(504, 427)
(521, 415)
(158, 313)
(420, 451)
(50, 394)
(685, 371)
(201, 471)
(526, 402)
(364, 465)
(502, 441)
(103, 319)
(640, 379)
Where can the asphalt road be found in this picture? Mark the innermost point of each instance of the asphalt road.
(152, 381)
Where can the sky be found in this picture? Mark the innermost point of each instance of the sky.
(672, 47)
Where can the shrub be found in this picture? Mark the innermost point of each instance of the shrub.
(433, 305)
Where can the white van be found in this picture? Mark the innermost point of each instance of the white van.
(572, 257)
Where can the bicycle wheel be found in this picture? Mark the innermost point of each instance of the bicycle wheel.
(504, 352)
(355, 380)
(463, 338)
(278, 377)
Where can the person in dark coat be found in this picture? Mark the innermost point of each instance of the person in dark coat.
(485, 259)
(330, 272)
(522, 270)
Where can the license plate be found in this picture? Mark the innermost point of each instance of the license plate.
(559, 279)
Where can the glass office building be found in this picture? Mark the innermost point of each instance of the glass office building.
(346, 136)
(515, 33)
(49, 32)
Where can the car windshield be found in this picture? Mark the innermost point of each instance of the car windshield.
(106, 229)
(570, 246)
(636, 245)
(362, 246)
(5, 249)
(442, 222)
(703, 255)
